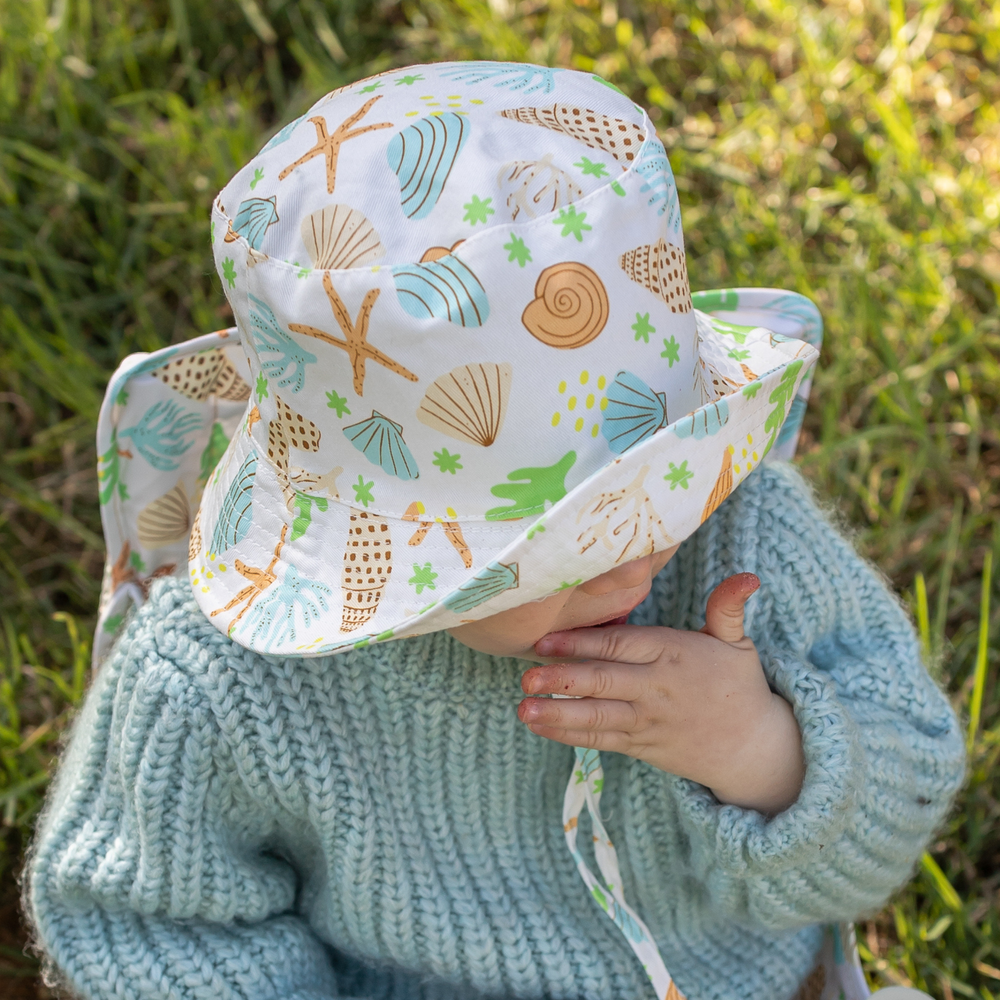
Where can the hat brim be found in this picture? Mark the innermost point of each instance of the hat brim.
(277, 592)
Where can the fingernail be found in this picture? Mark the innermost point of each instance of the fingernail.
(528, 711)
(544, 646)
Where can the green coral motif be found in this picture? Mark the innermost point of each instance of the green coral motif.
(598, 785)
(423, 576)
(258, 176)
(261, 387)
(109, 473)
(214, 450)
(643, 328)
(594, 169)
(518, 250)
(229, 271)
(618, 189)
(111, 625)
(679, 475)
(136, 562)
(566, 584)
(363, 491)
(602, 900)
(572, 223)
(304, 504)
(751, 389)
(541, 485)
(447, 462)
(781, 396)
(671, 351)
(337, 402)
(726, 329)
(600, 79)
(477, 210)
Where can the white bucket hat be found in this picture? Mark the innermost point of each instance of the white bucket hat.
(467, 369)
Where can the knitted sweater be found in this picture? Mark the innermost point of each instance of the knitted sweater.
(380, 825)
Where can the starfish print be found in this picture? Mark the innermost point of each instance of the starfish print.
(338, 403)
(329, 145)
(355, 335)
(572, 222)
(229, 271)
(409, 80)
(477, 211)
(363, 491)
(673, 350)
(423, 576)
(447, 462)
(518, 250)
(643, 328)
(260, 580)
(589, 167)
(679, 475)
(371, 88)
(261, 386)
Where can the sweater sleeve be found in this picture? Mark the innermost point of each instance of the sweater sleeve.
(883, 748)
(144, 882)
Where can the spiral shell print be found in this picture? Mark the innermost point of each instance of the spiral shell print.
(201, 375)
(570, 307)
(367, 566)
(662, 268)
(622, 139)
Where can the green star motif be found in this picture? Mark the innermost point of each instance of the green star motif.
(518, 251)
(136, 562)
(410, 79)
(679, 475)
(363, 491)
(338, 403)
(477, 211)
(643, 328)
(372, 87)
(672, 350)
(572, 222)
(258, 176)
(122, 398)
(447, 462)
(229, 271)
(594, 169)
(739, 355)
(261, 386)
(423, 576)
(566, 584)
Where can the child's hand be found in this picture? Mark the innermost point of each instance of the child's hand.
(696, 704)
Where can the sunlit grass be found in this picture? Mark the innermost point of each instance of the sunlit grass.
(847, 150)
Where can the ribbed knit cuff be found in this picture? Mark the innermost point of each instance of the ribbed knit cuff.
(742, 842)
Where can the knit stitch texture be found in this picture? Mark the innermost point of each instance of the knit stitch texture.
(380, 826)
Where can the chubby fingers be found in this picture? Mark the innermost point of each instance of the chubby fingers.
(576, 721)
(616, 643)
(724, 611)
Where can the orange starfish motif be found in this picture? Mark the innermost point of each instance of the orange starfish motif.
(355, 340)
(329, 145)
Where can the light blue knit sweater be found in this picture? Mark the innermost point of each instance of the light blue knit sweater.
(379, 825)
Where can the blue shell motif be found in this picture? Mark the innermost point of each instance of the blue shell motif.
(253, 218)
(422, 156)
(444, 288)
(705, 421)
(284, 135)
(654, 166)
(289, 367)
(237, 511)
(380, 440)
(634, 412)
(511, 76)
(488, 582)
(803, 311)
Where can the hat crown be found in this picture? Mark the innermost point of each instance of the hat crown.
(462, 289)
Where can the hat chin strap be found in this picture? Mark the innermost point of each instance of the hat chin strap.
(843, 975)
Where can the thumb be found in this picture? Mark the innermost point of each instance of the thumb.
(724, 613)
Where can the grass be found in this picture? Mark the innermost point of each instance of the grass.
(847, 149)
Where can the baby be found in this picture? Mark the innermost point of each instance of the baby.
(470, 417)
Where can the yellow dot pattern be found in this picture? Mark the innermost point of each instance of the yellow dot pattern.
(574, 403)
(748, 458)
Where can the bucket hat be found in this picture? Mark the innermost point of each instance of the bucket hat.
(467, 369)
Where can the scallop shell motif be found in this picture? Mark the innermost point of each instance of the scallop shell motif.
(339, 237)
(422, 157)
(487, 583)
(704, 422)
(570, 307)
(253, 218)
(367, 567)
(380, 440)
(469, 403)
(443, 288)
(166, 519)
(237, 509)
(634, 412)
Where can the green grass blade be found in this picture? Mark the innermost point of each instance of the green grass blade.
(979, 676)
